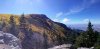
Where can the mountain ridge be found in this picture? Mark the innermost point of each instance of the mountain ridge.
(38, 29)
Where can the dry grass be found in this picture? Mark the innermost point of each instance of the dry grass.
(7, 16)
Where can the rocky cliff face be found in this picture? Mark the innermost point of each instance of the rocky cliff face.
(9, 41)
(41, 32)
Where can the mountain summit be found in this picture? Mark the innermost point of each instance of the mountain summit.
(35, 31)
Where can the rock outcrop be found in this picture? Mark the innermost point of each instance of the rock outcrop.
(9, 41)
(63, 46)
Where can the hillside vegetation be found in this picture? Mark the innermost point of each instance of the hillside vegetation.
(37, 31)
(26, 26)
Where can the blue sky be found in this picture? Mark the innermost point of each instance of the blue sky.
(64, 11)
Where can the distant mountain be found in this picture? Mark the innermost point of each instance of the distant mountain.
(38, 32)
(96, 27)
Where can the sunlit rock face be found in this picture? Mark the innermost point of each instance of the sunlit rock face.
(9, 41)
(63, 46)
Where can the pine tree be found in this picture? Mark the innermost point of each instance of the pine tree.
(12, 21)
(12, 28)
(24, 30)
(97, 44)
(3, 24)
(89, 28)
(91, 36)
(22, 20)
(88, 38)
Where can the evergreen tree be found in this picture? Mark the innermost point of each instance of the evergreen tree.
(3, 24)
(22, 21)
(25, 31)
(12, 21)
(97, 44)
(91, 36)
(12, 28)
(23, 24)
(88, 38)
(89, 28)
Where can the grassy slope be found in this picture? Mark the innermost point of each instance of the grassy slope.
(7, 16)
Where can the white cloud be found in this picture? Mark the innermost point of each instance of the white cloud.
(56, 20)
(65, 20)
(76, 9)
(86, 20)
(81, 7)
(59, 14)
